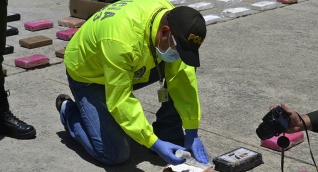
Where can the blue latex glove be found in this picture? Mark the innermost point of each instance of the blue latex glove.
(192, 142)
(166, 151)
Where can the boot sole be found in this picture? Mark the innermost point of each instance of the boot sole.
(29, 135)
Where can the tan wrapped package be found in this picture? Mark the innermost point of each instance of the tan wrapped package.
(71, 22)
(60, 53)
(35, 41)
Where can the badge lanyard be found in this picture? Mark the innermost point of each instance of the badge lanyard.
(162, 92)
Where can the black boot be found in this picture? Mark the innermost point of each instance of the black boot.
(16, 128)
(9, 124)
(4, 106)
(1, 124)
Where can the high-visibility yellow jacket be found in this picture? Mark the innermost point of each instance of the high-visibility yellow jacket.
(112, 48)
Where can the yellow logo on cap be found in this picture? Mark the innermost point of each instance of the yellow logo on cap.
(195, 39)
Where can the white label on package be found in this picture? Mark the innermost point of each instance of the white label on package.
(209, 19)
(238, 155)
(201, 6)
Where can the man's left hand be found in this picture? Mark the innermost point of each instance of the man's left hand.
(192, 142)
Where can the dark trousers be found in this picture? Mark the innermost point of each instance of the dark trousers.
(3, 29)
(4, 105)
(168, 124)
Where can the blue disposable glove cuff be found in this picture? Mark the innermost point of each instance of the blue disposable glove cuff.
(155, 146)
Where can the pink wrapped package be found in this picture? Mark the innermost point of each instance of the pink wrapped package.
(67, 34)
(38, 25)
(294, 138)
(31, 61)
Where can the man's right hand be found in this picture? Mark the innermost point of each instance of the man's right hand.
(166, 151)
(295, 124)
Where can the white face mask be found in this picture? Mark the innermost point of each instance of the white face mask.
(170, 55)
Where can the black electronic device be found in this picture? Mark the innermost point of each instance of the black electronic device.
(13, 17)
(274, 123)
(8, 49)
(11, 31)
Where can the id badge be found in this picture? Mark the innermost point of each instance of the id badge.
(163, 95)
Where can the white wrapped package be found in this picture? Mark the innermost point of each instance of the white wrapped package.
(201, 6)
(177, 2)
(228, 2)
(236, 12)
(210, 19)
(266, 5)
(185, 167)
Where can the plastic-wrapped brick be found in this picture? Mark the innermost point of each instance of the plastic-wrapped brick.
(67, 34)
(35, 41)
(71, 22)
(38, 25)
(31, 61)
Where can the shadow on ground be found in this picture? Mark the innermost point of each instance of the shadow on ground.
(138, 155)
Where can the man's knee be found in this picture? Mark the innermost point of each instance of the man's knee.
(113, 156)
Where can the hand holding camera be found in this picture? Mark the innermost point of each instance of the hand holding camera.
(295, 124)
(274, 123)
(281, 119)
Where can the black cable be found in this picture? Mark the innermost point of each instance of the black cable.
(304, 124)
(282, 160)
(283, 142)
(283, 146)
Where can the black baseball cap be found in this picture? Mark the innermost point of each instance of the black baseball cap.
(189, 29)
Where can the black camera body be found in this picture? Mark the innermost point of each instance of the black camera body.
(274, 123)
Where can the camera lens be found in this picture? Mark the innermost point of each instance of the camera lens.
(265, 131)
